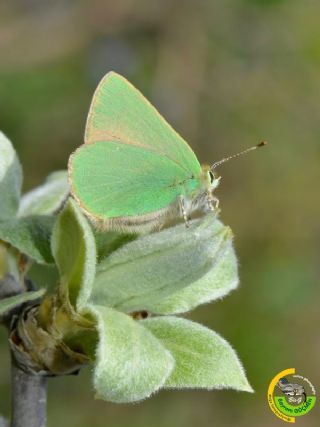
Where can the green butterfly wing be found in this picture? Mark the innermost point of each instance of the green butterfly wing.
(133, 162)
(120, 112)
(114, 180)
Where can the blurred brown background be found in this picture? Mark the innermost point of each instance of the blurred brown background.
(226, 74)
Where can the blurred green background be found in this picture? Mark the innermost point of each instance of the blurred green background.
(226, 74)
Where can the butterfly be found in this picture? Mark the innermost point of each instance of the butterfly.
(134, 172)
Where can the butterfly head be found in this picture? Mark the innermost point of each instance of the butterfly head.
(209, 178)
(203, 197)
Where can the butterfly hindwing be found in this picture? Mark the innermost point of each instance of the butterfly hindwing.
(111, 179)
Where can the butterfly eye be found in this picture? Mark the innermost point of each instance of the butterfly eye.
(211, 177)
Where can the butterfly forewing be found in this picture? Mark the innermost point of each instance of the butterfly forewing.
(119, 112)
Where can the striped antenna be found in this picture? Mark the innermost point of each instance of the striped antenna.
(226, 159)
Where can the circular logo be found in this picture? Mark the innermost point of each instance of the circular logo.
(291, 395)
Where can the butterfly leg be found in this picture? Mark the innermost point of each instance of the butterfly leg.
(183, 211)
(213, 201)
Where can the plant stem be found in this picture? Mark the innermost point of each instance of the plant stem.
(29, 398)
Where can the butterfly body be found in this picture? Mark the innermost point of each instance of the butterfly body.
(134, 172)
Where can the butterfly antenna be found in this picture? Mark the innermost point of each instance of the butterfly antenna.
(226, 159)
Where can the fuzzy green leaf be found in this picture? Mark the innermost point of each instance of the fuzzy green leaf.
(10, 303)
(153, 268)
(10, 179)
(30, 235)
(131, 363)
(219, 281)
(202, 358)
(109, 241)
(74, 251)
(9, 262)
(47, 198)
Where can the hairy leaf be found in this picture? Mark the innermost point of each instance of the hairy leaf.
(9, 262)
(130, 362)
(74, 251)
(10, 303)
(30, 235)
(202, 358)
(219, 281)
(47, 198)
(10, 179)
(108, 241)
(154, 268)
